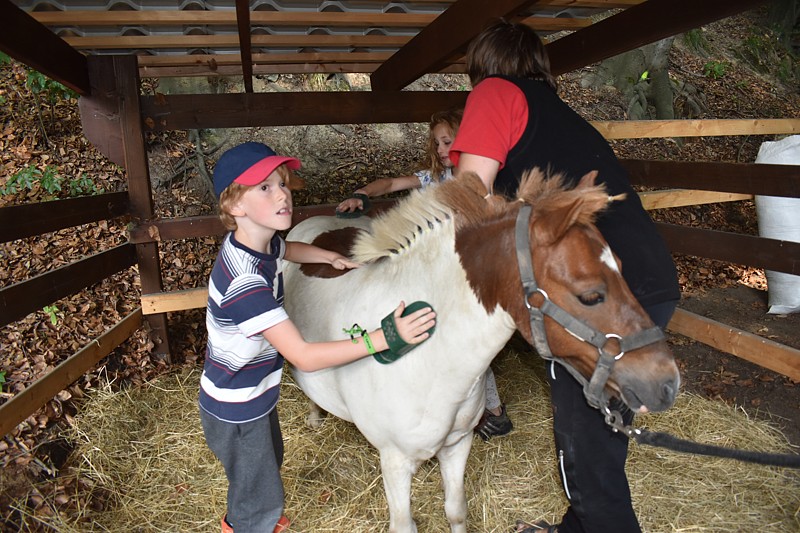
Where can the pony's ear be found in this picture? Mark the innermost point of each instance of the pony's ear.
(587, 180)
(551, 224)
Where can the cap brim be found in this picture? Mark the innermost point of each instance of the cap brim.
(259, 171)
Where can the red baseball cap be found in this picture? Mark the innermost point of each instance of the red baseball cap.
(248, 164)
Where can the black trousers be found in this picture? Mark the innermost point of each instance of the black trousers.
(591, 457)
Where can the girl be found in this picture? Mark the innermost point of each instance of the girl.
(442, 132)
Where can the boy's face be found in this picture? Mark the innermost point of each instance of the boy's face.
(442, 138)
(268, 204)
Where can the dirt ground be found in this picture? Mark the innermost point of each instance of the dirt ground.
(714, 374)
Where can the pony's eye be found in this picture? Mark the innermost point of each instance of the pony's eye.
(591, 298)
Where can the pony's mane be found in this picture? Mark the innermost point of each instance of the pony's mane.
(462, 201)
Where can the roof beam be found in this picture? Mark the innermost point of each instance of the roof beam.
(241, 110)
(637, 26)
(31, 43)
(245, 48)
(444, 37)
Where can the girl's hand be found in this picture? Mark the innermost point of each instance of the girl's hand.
(414, 327)
(342, 263)
(350, 205)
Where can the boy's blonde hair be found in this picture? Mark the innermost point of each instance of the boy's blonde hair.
(234, 192)
(450, 118)
(510, 50)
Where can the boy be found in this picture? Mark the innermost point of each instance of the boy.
(249, 333)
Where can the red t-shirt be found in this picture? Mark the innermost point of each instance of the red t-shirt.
(495, 117)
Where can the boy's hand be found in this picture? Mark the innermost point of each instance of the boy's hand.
(341, 263)
(413, 328)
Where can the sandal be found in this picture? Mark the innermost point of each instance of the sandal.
(540, 526)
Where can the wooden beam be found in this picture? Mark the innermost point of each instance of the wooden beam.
(763, 352)
(202, 226)
(141, 42)
(743, 178)
(20, 221)
(262, 59)
(655, 129)
(168, 302)
(198, 111)
(126, 87)
(448, 35)
(245, 44)
(36, 395)
(769, 254)
(31, 43)
(683, 197)
(637, 26)
(25, 297)
(229, 18)
(276, 19)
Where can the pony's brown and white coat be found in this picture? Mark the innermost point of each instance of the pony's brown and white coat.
(451, 247)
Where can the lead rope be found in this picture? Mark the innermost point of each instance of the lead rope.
(670, 442)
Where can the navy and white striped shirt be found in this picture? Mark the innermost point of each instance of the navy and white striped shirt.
(242, 373)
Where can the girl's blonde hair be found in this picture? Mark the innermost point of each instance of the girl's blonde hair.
(510, 50)
(234, 192)
(450, 118)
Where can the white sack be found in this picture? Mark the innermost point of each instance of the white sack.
(779, 218)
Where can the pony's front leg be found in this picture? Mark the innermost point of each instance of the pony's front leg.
(397, 470)
(452, 463)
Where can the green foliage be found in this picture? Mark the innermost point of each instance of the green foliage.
(764, 50)
(24, 179)
(4, 59)
(52, 312)
(83, 186)
(715, 69)
(49, 181)
(50, 90)
(2, 379)
(696, 41)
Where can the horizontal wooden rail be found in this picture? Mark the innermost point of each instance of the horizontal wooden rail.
(683, 197)
(770, 254)
(654, 129)
(26, 402)
(272, 19)
(741, 178)
(183, 112)
(763, 352)
(167, 302)
(21, 299)
(20, 221)
(192, 227)
(200, 111)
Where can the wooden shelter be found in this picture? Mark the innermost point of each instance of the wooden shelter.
(101, 49)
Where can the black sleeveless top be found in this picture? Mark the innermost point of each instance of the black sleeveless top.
(558, 140)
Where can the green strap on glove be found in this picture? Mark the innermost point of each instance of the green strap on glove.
(397, 346)
(365, 203)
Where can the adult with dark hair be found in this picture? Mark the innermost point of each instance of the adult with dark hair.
(514, 121)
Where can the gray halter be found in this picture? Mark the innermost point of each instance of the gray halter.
(593, 389)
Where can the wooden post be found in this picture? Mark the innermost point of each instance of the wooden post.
(122, 73)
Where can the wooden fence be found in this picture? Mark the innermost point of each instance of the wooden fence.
(117, 119)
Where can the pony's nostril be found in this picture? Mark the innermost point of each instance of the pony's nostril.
(669, 391)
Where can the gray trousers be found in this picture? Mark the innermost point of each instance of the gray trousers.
(252, 454)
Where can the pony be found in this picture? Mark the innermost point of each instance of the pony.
(454, 247)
